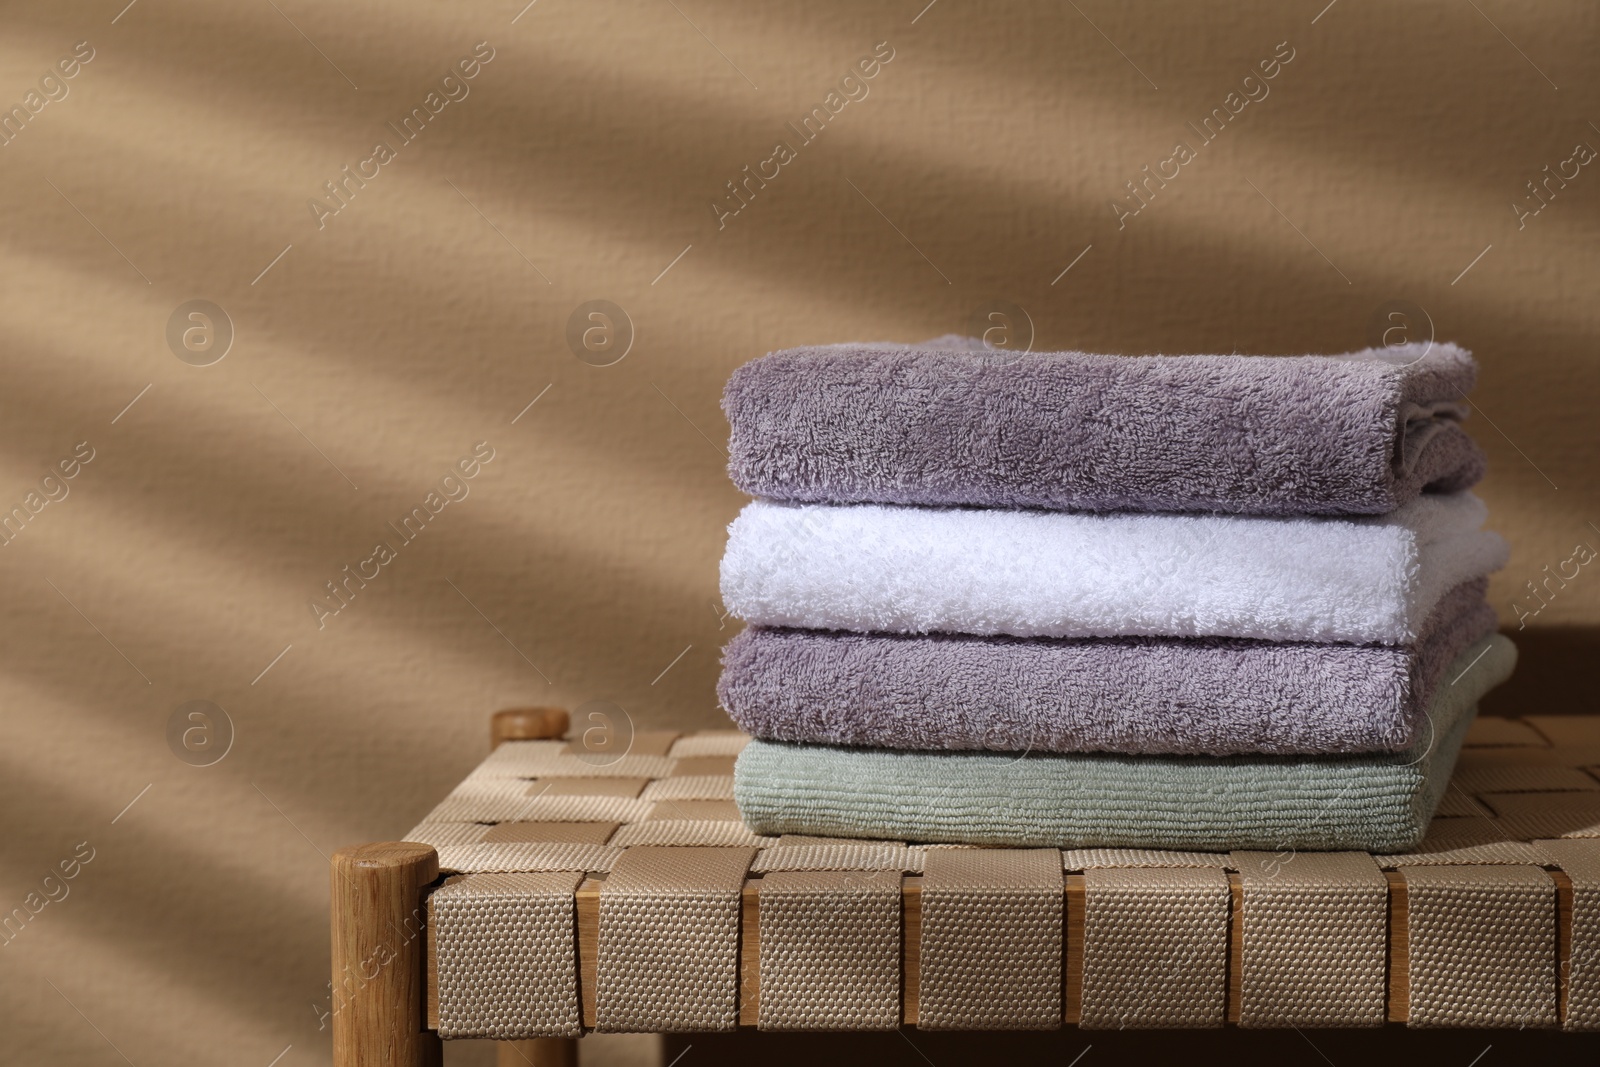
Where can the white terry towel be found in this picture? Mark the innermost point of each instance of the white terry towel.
(882, 568)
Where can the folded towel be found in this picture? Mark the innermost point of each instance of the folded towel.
(882, 569)
(1355, 434)
(1212, 695)
(1375, 803)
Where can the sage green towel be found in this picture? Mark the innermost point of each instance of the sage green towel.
(1374, 803)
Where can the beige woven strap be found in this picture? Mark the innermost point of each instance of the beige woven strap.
(1482, 946)
(474, 786)
(668, 953)
(1155, 947)
(1455, 803)
(518, 807)
(1520, 756)
(991, 940)
(1315, 946)
(1508, 852)
(570, 833)
(830, 951)
(507, 966)
(1531, 826)
(514, 754)
(1490, 730)
(439, 834)
(694, 832)
(1579, 859)
(529, 856)
(710, 743)
(1468, 841)
(690, 787)
(840, 856)
(1527, 816)
(693, 766)
(674, 808)
(585, 787)
(641, 743)
(583, 809)
(538, 759)
(1528, 778)
(1087, 859)
(478, 809)
(1508, 804)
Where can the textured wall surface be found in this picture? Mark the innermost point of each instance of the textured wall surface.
(380, 337)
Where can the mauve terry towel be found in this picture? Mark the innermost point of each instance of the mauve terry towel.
(1371, 803)
(1214, 696)
(1272, 435)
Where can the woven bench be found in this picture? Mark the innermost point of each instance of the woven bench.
(585, 891)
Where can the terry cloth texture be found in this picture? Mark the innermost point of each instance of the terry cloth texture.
(1373, 803)
(877, 569)
(1209, 695)
(1361, 433)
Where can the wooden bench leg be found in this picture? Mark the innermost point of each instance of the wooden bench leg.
(378, 939)
(533, 724)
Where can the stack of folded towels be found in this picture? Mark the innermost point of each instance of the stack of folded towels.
(1070, 600)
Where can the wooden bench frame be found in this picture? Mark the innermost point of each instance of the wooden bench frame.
(382, 962)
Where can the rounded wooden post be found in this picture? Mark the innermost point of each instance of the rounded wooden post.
(527, 724)
(532, 724)
(378, 941)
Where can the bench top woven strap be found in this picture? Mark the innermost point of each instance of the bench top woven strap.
(1085, 859)
(991, 940)
(830, 950)
(1314, 950)
(668, 957)
(504, 955)
(841, 856)
(1155, 948)
(528, 856)
(1481, 946)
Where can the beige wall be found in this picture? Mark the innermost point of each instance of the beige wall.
(407, 328)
